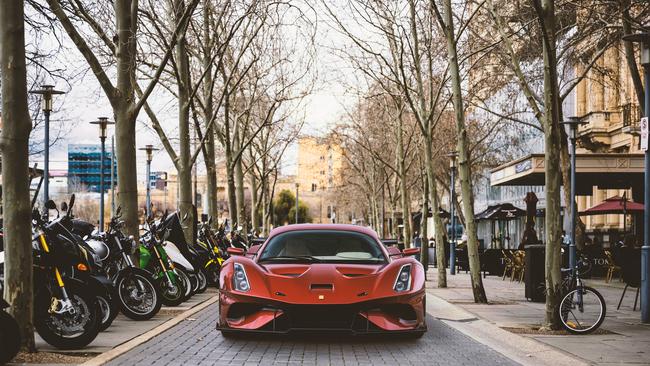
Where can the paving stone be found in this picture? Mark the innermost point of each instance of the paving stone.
(198, 343)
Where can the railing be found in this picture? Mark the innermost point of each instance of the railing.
(631, 115)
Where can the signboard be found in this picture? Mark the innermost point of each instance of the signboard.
(644, 133)
(523, 166)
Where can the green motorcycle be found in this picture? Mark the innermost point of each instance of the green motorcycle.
(154, 258)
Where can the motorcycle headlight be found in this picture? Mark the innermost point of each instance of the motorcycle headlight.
(239, 279)
(403, 280)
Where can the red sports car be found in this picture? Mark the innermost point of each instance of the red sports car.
(322, 278)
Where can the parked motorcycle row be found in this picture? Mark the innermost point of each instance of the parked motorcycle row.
(84, 278)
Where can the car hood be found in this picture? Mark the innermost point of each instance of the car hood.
(322, 283)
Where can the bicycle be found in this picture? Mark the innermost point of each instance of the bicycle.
(582, 308)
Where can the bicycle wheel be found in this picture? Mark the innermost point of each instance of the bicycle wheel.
(582, 310)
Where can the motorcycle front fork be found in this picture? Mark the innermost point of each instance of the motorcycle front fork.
(170, 283)
(63, 305)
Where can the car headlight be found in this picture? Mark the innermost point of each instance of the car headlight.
(239, 279)
(403, 280)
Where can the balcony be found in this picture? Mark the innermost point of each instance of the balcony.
(631, 117)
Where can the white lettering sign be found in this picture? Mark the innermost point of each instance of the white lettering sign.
(644, 133)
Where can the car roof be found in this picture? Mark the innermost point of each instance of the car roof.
(334, 227)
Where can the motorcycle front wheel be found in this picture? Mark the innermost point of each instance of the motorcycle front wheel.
(108, 310)
(137, 293)
(203, 281)
(187, 282)
(70, 330)
(172, 295)
(9, 338)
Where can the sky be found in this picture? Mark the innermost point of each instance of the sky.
(84, 102)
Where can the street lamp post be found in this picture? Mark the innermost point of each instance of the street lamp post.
(644, 40)
(297, 186)
(572, 124)
(149, 149)
(103, 123)
(46, 91)
(452, 200)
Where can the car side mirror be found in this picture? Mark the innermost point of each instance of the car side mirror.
(410, 251)
(253, 249)
(235, 251)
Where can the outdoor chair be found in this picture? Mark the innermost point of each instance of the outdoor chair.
(507, 259)
(518, 266)
(631, 272)
(612, 268)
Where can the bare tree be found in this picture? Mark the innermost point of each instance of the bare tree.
(120, 54)
(14, 142)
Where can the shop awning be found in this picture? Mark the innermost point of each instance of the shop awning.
(503, 211)
(606, 171)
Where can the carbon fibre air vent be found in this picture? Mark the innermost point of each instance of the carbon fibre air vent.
(353, 274)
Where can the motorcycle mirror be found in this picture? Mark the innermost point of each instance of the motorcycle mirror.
(71, 204)
(64, 206)
(50, 205)
(235, 251)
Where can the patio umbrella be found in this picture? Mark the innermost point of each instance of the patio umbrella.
(614, 205)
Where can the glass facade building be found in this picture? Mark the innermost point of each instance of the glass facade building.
(84, 167)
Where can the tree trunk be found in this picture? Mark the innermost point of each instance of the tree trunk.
(123, 104)
(401, 167)
(553, 178)
(239, 189)
(435, 208)
(127, 182)
(254, 203)
(630, 57)
(464, 163)
(184, 166)
(209, 157)
(18, 285)
(424, 246)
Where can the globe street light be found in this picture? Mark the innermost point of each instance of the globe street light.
(644, 39)
(572, 125)
(452, 199)
(103, 123)
(149, 149)
(46, 91)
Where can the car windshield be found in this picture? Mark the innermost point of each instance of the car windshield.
(328, 246)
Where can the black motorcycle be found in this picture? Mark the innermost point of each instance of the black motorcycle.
(194, 254)
(95, 275)
(66, 309)
(137, 293)
(9, 332)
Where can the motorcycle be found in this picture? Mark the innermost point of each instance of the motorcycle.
(186, 256)
(211, 255)
(66, 309)
(136, 290)
(95, 275)
(9, 331)
(153, 257)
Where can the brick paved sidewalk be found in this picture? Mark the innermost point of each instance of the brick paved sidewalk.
(629, 342)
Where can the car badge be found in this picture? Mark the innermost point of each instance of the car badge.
(321, 297)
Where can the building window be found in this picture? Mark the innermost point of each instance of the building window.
(314, 187)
